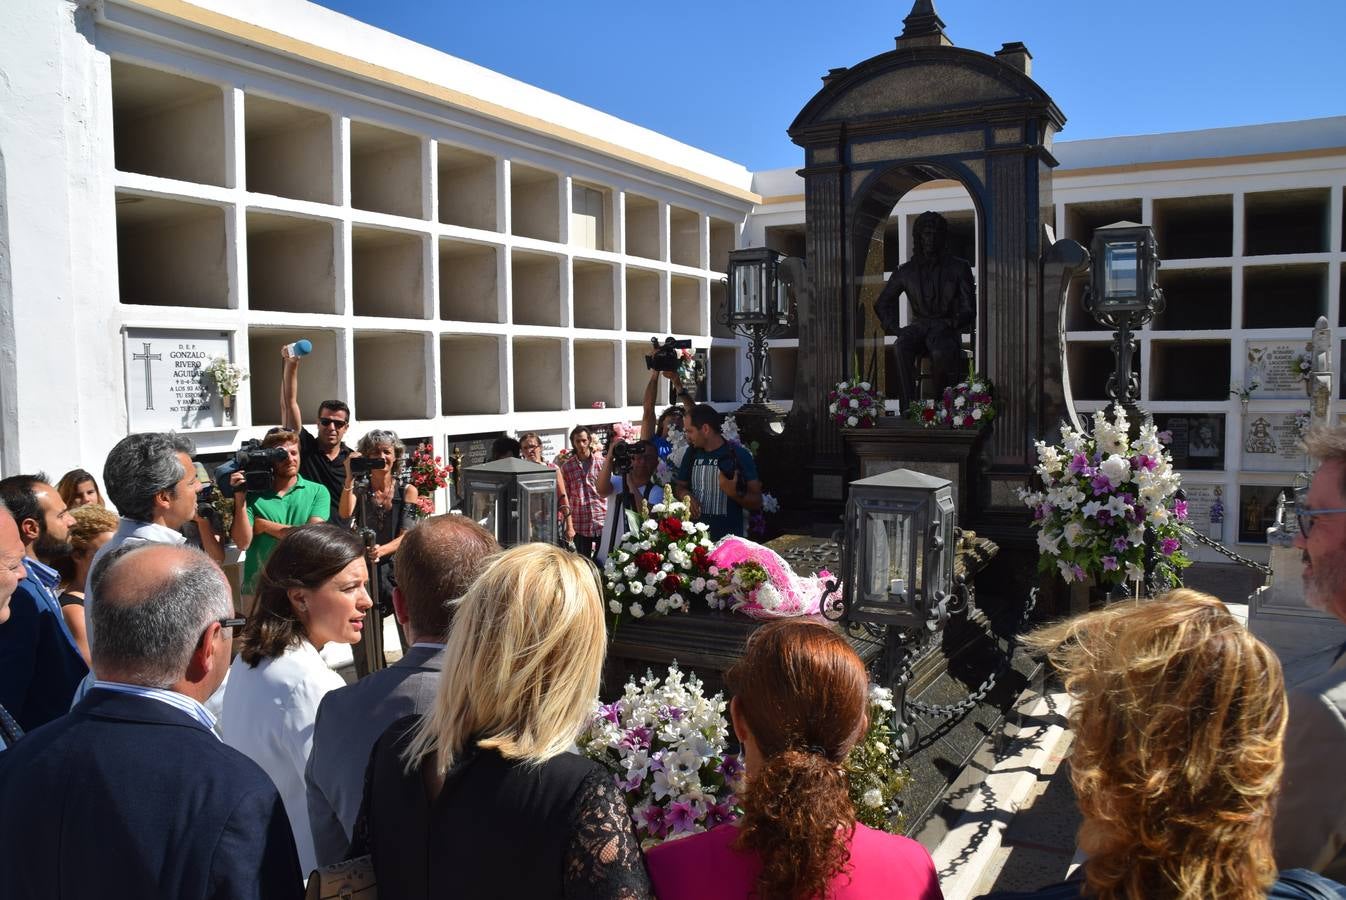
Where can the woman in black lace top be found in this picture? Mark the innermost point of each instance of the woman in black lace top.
(482, 797)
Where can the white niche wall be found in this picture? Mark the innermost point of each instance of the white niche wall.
(166, 125)
(291, 263)
(171, 253)
(539, 373)
(289, 150)
(390, 369)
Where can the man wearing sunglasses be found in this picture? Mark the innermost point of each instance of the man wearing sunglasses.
(1310, 828)
(131, 794)
(321, 459)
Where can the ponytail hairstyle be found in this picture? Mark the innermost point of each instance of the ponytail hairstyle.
(802, 691)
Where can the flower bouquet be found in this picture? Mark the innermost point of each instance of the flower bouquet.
(854, 404)
(875, 770)
(1100, 492)
(754, 580)
(427, 473)
(968, 404)
(228, 377)
(660, 564)
(1304, 365)
(664, 743)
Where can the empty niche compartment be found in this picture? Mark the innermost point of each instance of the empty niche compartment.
(1195, 299)
(1083, 219)
(1194, 227)
(534, 203)
(642, 227)
(637, 372)
(684, 237)
(1090, 365)
(718, 295)
(167, 125)
(721, 242)
(388, 273)
(595, 296)
(596, 378)
(386, 171)
(291, 263)
(723, 376)
(1189, 370)
(1284, 296)
(537, 288)
(467, 189)
(171, 253)
(539, 374)
(469, 375)
(685, 299)
(590, 216)
(781, 368)
(1286, 222)
(469, 282)
(642, 301)
(390, 375)
(317, 383)
(289, 150)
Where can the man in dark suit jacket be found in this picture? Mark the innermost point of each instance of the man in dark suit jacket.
(437, 562)
(40, 666)
(132, 794)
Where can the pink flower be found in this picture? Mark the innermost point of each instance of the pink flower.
(1169, 546)
(681, 816)
(1180, 509)
(651, 818)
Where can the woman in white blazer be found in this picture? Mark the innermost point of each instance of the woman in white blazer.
(310, 593)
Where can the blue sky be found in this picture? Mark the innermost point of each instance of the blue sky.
(729, 76)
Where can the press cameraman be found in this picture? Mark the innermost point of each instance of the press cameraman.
(386, 500)
(664, 361)
(627, 473)
(717, 479)
(273, 509)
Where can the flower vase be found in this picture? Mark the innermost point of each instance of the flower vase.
(227, 400)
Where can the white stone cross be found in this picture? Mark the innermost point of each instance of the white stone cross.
(147, 356)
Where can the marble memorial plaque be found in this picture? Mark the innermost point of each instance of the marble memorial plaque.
(1271, 442)
(165, 389)
(1274, 365)
(1200, 499)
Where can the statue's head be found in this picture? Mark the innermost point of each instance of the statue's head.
(930, 232)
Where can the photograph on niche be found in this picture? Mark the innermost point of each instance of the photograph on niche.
(1197, 439)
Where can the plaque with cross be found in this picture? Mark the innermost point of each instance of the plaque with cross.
(165, 389)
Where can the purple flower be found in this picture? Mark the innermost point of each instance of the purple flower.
(681, 816)
(637, 738)
(1180, 509)
(1128, 499)
(1165, 437)
(1169, 546)
(1079, 463)
(1137, 514)
(720, 812)
(731, 766)
(674, 713)
(651, 818)
(1079, 572)
(1101, 485)
(630, 782)
(1120, 545)
(1109, 564)
(612, 712)
(1104, 518)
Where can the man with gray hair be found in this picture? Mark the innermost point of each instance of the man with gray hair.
(1310, 828)
(132, 794)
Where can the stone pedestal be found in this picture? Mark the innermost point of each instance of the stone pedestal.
(950, 453)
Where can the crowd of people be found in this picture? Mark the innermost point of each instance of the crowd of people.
(158, 741)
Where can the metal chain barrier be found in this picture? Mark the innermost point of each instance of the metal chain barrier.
(958, 708)
(1189, 532)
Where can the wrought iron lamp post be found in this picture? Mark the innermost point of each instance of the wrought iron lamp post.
(515, 500)
(1122, 294)
(758, 307)
(897, 570)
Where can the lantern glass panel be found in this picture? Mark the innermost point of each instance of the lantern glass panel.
(539, 507)
(483, 507)
(782, 300)
(1120, 270)
(748, 290)
(886, 563)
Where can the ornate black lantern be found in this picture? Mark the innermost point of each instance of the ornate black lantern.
(514, 499)
(758, 306)
(1123, 294)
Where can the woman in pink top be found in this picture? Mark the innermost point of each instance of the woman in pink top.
(800, 698)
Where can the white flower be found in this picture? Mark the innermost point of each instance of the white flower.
(637, 610)
(630, 570)
(873, 798)
(615, 605)
(853, 403)
(657, 508)
(1134, 572)
(864, 385)
(1116, 468)
(1072, 533)
(1090, 509)
(959, 402)
(768, 597)
(675, 601)
(618, 588)
(712, 585)
(976, 414)
(661, 606)
(852, 421)
(978, 387)
(667, 567)
(636, 587)
(649, 590)
(770, 504)
(1067, 570)
(688, 527)
(1049, 544)
(650, 525)
(702, 528)
(651, 578)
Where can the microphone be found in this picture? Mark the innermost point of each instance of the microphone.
(297, 349)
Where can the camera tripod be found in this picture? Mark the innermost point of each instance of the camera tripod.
(369, 653)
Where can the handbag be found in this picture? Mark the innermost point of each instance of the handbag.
(351, 879)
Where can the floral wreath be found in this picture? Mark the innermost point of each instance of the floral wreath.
(854, 404)
(661, 563)
(968, 404)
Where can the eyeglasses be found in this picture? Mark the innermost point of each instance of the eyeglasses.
(331, 422)
(232, 623)
(1305, 517)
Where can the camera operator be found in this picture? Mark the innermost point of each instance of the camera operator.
(204, 531)
(380, 453)
(717, 479)
(322, 460)
(627, 472)
(289, 502)
(657, 433)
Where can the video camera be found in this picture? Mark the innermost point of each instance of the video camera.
(665, 355)
(257, 466)
(624, 455)
(367, 464)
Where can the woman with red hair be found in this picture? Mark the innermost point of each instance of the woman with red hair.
(800, 703)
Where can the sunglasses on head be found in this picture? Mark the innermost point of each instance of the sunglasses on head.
(329, 421)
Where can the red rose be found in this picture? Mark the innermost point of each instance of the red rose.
(928, 414)
(968, 421)
(701, 557)
(672, 583)
(649, 561)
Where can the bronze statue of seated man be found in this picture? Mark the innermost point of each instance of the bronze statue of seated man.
(943, 300)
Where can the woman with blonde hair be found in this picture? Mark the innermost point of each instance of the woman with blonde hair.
(483, 797)
(799, 706)
(1178, 713)
(94, 527)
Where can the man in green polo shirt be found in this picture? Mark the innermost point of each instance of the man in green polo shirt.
(291, 502)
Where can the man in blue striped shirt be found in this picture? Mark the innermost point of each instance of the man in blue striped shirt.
(132, 794)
